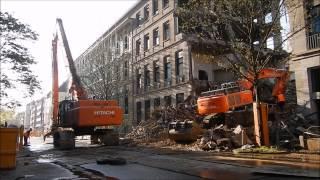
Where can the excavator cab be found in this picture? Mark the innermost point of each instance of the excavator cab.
(64, 107)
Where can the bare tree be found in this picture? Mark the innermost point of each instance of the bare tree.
(97, 80)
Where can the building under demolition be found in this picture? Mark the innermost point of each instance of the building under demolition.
(306, 56)
(145, 62)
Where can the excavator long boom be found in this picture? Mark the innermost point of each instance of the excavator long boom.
(76, 82)
(55, 82)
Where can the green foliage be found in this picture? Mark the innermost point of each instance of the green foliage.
(236, 30)
(15, 59)
(5, 116)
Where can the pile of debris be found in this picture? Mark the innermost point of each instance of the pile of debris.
(288, 125)
(221, 138)
(234, 131)
(147, 131)
(181, 112)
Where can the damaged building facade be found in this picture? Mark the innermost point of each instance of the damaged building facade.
(146, 63)
(306, 56)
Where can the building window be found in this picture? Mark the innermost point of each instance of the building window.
(155, 7)
(146, 42)
(126, 105)
(314, 74)
(138, 44)
(156, 38)
(203, 75)
(268, 18)
(166, 31)
(167, 70)
(146, 12)
(182, 3)
(156, 72)
(270, 43)
(108, 76)
(167, 101)
(315, 20)
(147, 110)
(177, 26)
(138, 19)
(139, 112)
(138, 79)
(179, 98)
(125, 70)
(156, 103)
(116, 73)
(165, 3)
(126, 44)
(146, 77)
(179, 63)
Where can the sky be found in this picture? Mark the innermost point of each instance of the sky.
(84, 21)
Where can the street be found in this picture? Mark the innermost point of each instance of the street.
(41, 161)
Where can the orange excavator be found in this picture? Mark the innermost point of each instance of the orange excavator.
(236, 94)
(231, 96)
(80, 115)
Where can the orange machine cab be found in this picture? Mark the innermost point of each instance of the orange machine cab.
(88, 113)
(220, 103)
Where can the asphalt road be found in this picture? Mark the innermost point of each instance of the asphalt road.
(42, 161)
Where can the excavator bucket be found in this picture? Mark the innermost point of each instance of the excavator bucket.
(184, 131)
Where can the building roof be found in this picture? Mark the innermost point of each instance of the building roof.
(126, 16)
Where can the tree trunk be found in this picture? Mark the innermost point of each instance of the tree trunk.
(256, 117)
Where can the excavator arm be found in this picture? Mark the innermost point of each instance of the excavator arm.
(230, 96)
(76, 82)
(278, 90)
(234, 96)
(55, 84)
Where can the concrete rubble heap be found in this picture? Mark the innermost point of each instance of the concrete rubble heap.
(147, 131)
(234, 131)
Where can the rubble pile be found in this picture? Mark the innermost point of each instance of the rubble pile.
(234, 131)
(147, 131)
(180, 113)
(221, 138)
(291, 92)
(288, 125)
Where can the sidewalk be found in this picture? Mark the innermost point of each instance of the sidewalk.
(30, 166)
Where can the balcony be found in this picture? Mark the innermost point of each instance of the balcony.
(313, 41)
(147, 87)
(180, 79)
(156, 85)
(167, 82)
(139, 90)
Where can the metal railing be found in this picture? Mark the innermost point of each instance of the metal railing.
(313, 41)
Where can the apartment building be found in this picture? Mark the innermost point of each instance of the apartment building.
(105, 67)
(20, 118)
(27, 118)
(38, 116)
(145, 62)
(306, 55)
(38, 113)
